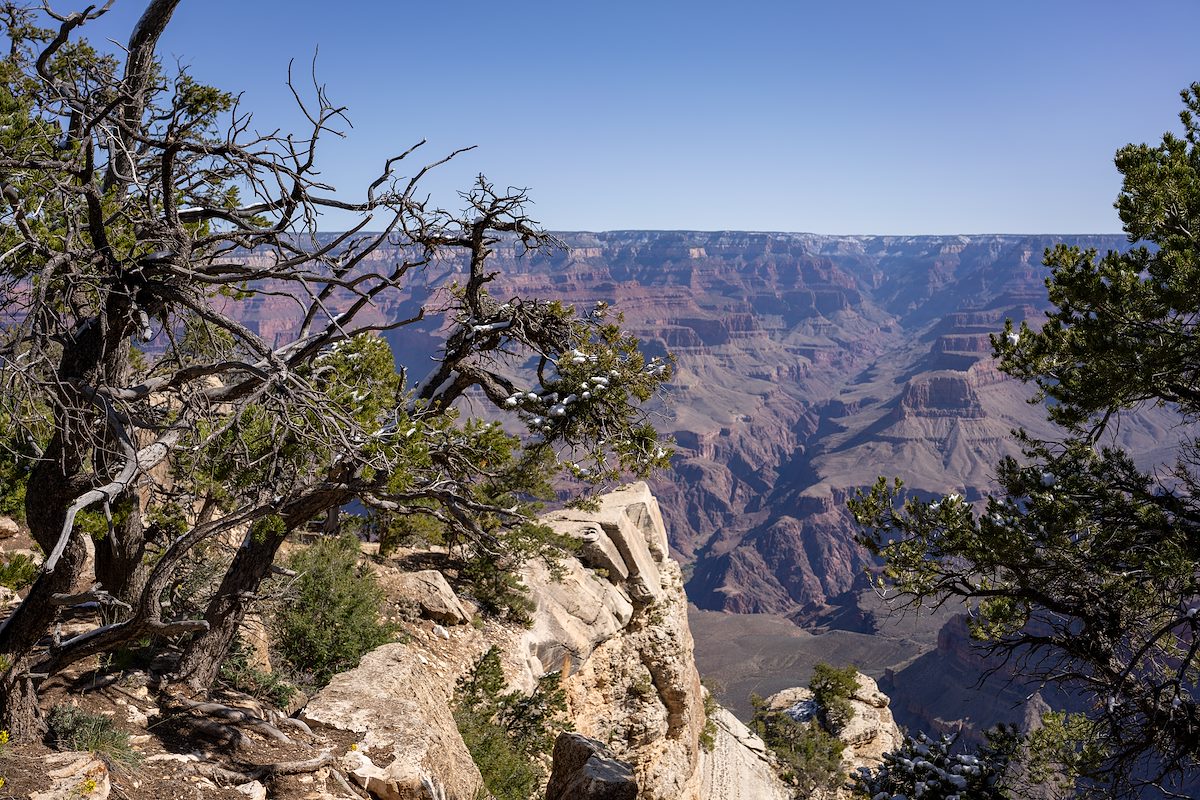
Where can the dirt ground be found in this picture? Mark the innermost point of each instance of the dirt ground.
(177, 750)
(226, 745)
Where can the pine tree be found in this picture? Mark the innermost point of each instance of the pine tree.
(140, 214)
(1084, 569)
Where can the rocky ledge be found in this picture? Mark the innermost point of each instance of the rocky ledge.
(613, 623)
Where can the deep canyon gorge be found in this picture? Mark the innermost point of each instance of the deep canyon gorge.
(806, 366)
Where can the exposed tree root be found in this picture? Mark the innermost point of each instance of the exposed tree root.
(234, 716)
(346, 785)
(258, 773)
(219, 732)
(280, 720)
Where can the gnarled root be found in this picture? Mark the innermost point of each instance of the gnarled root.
(265, 771)
(230, 715)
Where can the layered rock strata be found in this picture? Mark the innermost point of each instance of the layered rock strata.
(807, 365)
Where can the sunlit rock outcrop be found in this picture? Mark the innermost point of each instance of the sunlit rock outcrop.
(613, 624)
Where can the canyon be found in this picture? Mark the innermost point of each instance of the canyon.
(805, 367)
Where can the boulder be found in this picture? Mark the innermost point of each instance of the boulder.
(8, 527)
(254, 790)
(583, 770)
(431, 593)
(622, 567)
(74, 776)
(401, 713)
(597, 551)
(640, 507)
(868, 693)
(797, 702)
(870, 732)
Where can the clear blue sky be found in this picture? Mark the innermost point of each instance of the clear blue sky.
(834, 117)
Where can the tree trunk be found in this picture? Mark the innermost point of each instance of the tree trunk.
(55, 481)
(53, 486)
(19, 713)
(202, 657)
(120, 567)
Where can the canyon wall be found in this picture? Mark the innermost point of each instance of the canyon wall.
(806, 366)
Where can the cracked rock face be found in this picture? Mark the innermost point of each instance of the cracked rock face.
(614, 623)
(401, 710)
(629, 675)
(630, 678)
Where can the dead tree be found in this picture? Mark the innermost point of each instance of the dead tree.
(140, 212)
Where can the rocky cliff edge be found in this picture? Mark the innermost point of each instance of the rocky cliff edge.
(613, 623)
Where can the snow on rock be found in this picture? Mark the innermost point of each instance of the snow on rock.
(870, 732)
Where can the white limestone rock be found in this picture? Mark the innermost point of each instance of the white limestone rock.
(431, 593)
(401, 711)
(254, 790)
(739, 766)
(8, 527)
(870, 732)
(630, 677)
(74, 776)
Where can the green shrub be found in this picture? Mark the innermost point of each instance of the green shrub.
(17, 572)
(72, 728)
(395, 530)
(507, 733)
(642, 687)
(498, 590)
(1064, 754)
(333, 620)
(237, 673)
(810, 758)
(832, 688)
(17, 457)
(708, 734)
